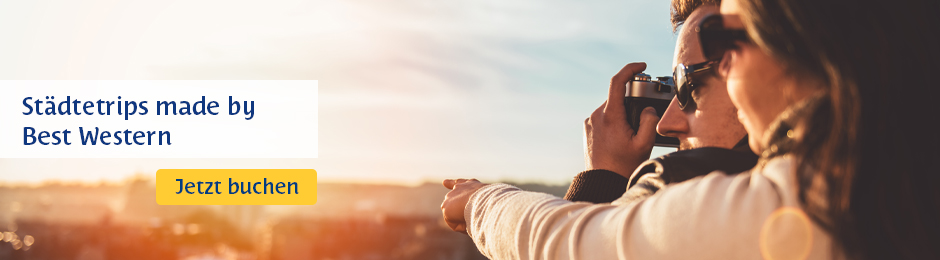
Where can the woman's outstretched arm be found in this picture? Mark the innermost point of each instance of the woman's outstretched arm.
(744, 216)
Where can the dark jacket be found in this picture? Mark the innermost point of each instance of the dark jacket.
(603, 186)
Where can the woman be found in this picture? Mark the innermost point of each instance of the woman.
(836, 97)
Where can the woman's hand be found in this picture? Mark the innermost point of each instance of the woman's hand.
(456, 200)
(609, 142)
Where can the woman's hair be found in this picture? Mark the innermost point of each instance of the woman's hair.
(867, 171)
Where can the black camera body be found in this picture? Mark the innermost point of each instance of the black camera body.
(644, 92)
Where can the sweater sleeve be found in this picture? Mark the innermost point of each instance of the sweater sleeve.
(596, 186)
(717, 216)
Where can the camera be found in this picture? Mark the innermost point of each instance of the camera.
(644, 92)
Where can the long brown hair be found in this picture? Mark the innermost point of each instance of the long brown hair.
(867, 174)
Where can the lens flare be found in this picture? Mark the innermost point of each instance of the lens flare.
(787, 234)
(178, 229)
(192, 229)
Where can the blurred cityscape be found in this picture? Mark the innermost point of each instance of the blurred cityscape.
(123, 221)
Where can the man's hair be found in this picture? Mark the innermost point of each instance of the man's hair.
(681, 9)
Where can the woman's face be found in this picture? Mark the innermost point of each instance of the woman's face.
(757, 83)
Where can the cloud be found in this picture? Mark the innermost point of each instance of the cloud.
(409, 89)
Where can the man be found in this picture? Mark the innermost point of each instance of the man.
(710, 136)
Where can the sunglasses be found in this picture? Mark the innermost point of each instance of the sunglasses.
(684, 77)
(715, 40)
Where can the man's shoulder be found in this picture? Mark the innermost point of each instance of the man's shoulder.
(683, 165)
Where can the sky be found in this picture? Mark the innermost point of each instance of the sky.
(410, 91)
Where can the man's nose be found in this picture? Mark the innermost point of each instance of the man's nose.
(674, 122)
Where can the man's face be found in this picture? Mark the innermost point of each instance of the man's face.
(712, 121)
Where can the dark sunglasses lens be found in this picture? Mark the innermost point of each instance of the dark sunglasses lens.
(712, 36)
(682, 85)
(683, 97)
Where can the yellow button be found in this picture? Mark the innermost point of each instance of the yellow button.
(237, 187)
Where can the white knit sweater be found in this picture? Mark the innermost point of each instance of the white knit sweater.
(752, 215)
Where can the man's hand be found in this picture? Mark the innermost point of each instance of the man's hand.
(456, 200)
(609, 142)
